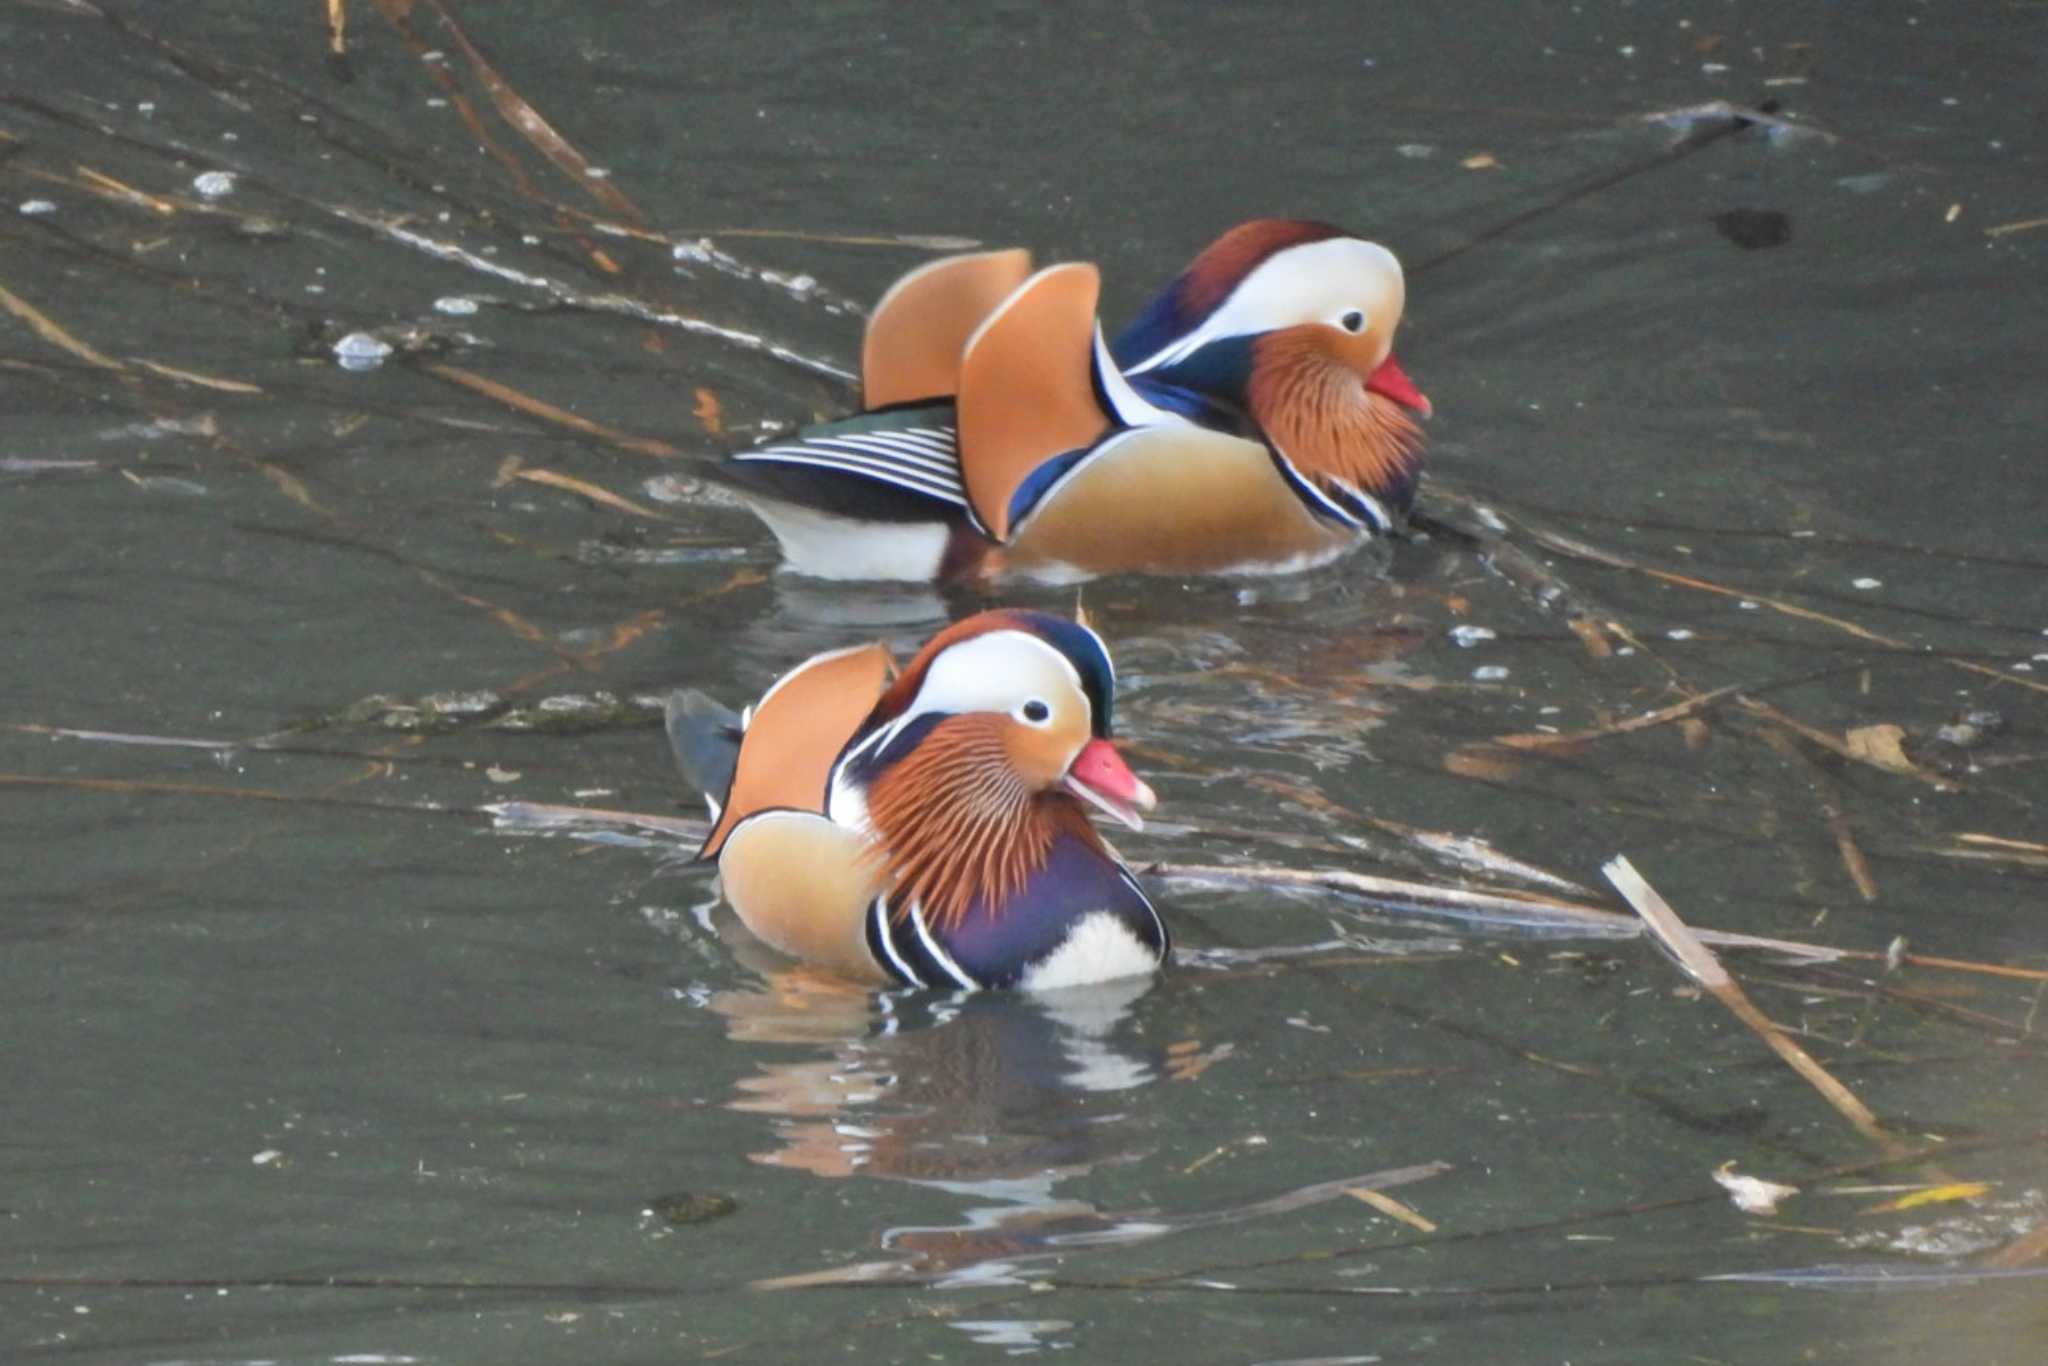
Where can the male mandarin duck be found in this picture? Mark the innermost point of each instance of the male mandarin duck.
(928, 827)
(1252, 418)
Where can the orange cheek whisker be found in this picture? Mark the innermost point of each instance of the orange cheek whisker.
(955, 822)
(1320, 414)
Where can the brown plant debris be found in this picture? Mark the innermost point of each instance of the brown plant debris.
(1700, 964)
(548, 412)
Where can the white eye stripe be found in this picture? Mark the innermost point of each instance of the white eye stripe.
(1293, 286)
(1003, 671)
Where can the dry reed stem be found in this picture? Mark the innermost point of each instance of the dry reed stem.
(226, 386)
(45, 327)
(1852, 853)
(2023, 225)
(1392, 1208)
(548, 412)
(601, 496)
(1661, 716)
(515, 110)
(1700, 964)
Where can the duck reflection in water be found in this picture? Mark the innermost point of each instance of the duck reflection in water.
(996, 1096)
(1000, 1098)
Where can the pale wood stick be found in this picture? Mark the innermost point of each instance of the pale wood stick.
(1699, 963)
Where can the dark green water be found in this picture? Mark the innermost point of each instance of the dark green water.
(307, 1059)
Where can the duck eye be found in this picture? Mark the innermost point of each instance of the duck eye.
(1354, 321)
(1036, 712)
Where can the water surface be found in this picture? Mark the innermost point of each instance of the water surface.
(312, 1060)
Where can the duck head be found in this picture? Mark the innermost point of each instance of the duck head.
(982, 754)
(1288, 326)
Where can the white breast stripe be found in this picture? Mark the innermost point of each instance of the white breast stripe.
(938, 952)
(1315, 497)
(1131, 881)
(1369, 507)
(1131, 408)
(878, 917)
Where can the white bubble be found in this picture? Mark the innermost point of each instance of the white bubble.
(361, 351)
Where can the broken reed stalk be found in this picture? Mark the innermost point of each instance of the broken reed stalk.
(1391, 893)
(1499, 905)
(1699, 963)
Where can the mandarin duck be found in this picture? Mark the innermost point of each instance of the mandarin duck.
(1252, 418)
(930, 827)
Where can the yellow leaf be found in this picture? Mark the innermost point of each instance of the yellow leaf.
(1933, 1195)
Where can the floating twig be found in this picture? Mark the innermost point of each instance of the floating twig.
(548, 412)
(601, 496)
(115, 189)
(1643, 721)
(515, 110)
(1832, 811)
(1492, 905)
(1389, 1206)
(1852, 853)
(45, 327)
(226, 386)
(1700, 964)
